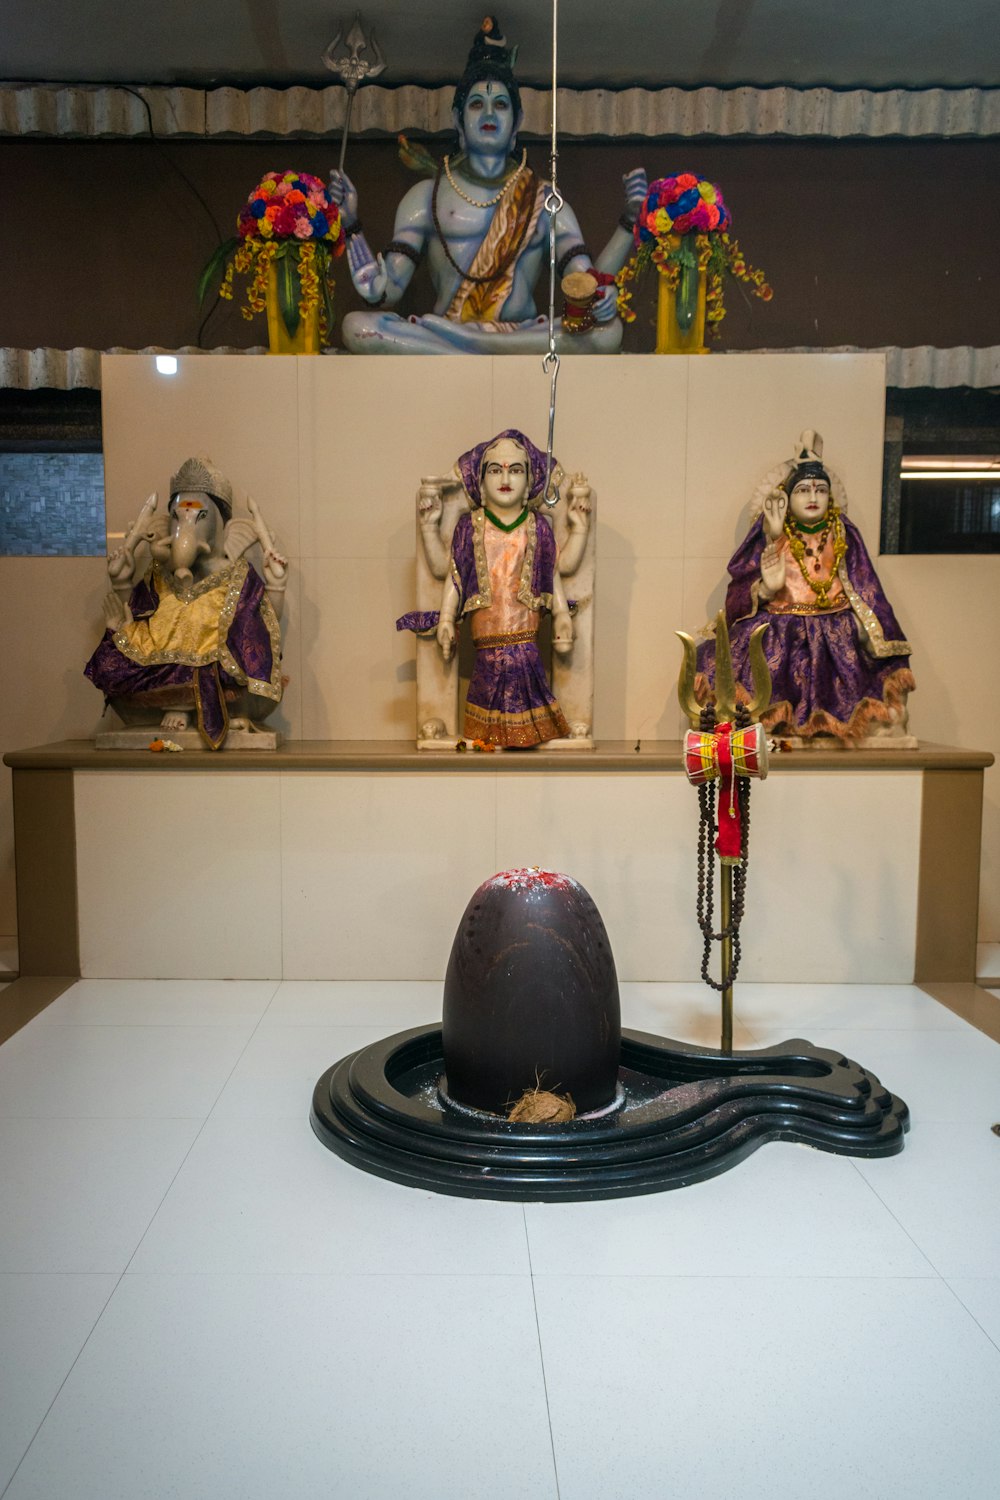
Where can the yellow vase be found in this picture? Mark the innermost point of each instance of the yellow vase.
(671, 337)
(305, 339)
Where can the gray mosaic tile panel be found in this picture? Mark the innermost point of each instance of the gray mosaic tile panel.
(52, 505)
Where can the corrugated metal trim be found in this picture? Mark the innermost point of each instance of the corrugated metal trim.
(75, 111)
(67, 110)
(72, 369)
(943, 367)
(923, 365)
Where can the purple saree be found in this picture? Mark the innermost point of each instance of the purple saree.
(837, 671)
(509, 701)
(247, 656)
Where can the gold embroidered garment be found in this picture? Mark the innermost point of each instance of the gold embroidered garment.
(507, 614)
(187, 628)
(511, 228)
(192, 629)
(482, 596)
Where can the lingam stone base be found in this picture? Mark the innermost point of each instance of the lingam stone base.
(685, 1114)
(531, 1000)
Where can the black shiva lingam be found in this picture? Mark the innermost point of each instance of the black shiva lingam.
(531, 1002)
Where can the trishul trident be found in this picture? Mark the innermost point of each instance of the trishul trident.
(352, 70)
(726, 747)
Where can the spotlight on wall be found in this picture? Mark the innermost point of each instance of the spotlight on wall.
(166, 364)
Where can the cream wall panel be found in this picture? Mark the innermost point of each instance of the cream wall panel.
(369, 430)
(834, 866)
(637, 656)
(354, 876)
(630, 841)
(822, 905)
(623, 421)
(358, 670)
(949, 608)
(377, 870)
(672, 446)
(52, 622)
(243, 413)
(745, 415)
(179, 876)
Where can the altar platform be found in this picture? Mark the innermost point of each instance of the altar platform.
(354, 860)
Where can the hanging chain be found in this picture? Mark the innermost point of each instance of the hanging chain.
(706, 864)
(552, 205)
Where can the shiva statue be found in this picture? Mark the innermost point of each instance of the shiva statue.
(485, 230)
(839, 663)
(493, 559)
(194, 633)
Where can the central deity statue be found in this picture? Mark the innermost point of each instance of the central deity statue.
(503, 572)
(483, 225)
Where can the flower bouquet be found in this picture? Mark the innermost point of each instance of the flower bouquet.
(683, 229)
(289, 232)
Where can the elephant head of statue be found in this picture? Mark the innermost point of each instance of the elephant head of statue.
(192, 534)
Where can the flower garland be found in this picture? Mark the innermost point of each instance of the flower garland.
(291, 222)
(683, 227)
(832, 521)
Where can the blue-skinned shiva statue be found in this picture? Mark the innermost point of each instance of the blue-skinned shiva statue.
(483, 226)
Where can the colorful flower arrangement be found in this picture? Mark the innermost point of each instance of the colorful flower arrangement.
(683, 228)
(289, 222)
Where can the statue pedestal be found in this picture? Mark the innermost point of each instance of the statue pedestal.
(830, 743)
(188, 739)
(582, 742)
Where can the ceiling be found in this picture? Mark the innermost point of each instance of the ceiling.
(839, 43)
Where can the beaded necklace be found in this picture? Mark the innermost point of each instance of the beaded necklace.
(820, 586)
(511, 174)
(508, 260)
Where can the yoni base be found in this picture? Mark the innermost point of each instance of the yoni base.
(683, 1114)
(188, 739)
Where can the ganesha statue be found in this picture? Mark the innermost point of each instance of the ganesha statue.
(491, 559)
(193, 644)
(839, 664)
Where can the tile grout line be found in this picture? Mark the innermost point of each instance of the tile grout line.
(970, 1313)
(541, 1354)
(58, 1392)
(919, 1248)
(124, 1271)
(200, 1130)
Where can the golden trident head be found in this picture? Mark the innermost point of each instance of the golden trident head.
(725, 682)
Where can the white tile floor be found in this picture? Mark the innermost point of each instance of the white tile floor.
(198, 1300)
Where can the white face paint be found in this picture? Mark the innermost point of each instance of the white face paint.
(810, 501)
(505, 479)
